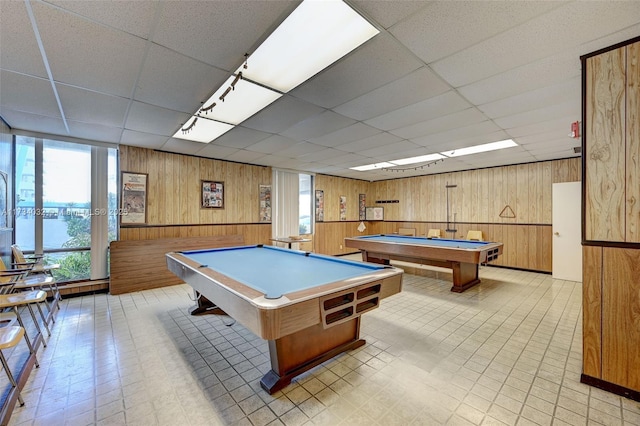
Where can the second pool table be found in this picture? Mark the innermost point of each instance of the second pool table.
(307, 306)
(461, 256)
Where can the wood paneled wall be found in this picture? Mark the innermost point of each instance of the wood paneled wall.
(173, 194)
(479, 198)
(611, 255)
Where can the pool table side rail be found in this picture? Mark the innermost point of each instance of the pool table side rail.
(415, 252)
(272, 319)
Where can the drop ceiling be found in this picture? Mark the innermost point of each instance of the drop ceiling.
(440, 75)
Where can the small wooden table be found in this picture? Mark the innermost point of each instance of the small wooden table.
(290, 241)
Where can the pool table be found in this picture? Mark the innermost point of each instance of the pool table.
(307, 306)
(461, 256)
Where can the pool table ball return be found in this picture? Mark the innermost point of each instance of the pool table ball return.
(307, 306)
(461, 256)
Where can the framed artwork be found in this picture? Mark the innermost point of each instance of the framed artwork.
(319, 205)
(134, 198)
(374, 213)
(362, 206)
(265, 203)
(343, 207)
(212, 194)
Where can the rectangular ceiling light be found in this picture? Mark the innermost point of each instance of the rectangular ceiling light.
(508, 143)
(382, 165)
(420, 159)
(241, 101)
(204, 130)
(315, 35)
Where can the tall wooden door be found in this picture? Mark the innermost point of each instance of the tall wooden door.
(567, 246)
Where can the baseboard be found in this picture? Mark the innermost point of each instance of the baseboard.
(610, 387)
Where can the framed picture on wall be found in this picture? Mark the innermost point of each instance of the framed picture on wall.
(319, 205)
(375, 213)
(134, 198)
(362, 206)
(265, 203)
(212, 194)
(343, 207)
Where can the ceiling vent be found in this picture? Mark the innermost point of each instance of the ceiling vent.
(577, 150)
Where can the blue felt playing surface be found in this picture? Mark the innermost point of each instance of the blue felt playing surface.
(436, 242)
(275, 271)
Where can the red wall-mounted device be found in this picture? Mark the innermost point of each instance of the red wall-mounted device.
(575, 129)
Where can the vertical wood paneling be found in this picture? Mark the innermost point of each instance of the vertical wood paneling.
(633, 144)
(605, 148)
(621, 317)
(547, 185)
(522, 193)
(592, 311)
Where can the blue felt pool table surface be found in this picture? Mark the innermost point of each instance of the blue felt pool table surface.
(436, 242)
(276, 271)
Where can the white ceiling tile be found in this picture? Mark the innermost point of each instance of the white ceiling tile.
(351, 76)
(367, 143)
(182, 146)
(300, 149)
(348, 159)
(324, 154)
(317, 125)
(348, 134)
(21, 120)
(134, 17)
(153, 119)
(557, 124)
(24, 93)
(388, 13)
(218, 32)
(282, 114)
(244, 156)
(21, 54)
(94, 131)
(566, 109)
(220, 152)
(240, 137)
(445, 27)
(552, 33)
(441, 124)
(542, 138)
(417, 86)
(70, 43)
(391, 151)
(534, 99)
(272, 145)
(464, 133)
(428, 109)
(92, 107)
(141, 139)
(173, 81)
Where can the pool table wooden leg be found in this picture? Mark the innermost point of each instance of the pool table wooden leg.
(296, 353)
(465, 275)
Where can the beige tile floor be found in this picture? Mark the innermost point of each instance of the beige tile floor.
(505, 352)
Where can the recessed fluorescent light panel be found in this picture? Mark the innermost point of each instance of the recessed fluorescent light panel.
(508, 143)
(315, 35)
(240, 103)
(420, 159)
(204, 130)
(372, 167)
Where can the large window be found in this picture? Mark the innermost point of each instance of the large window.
(60, 204)
(306, 204)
